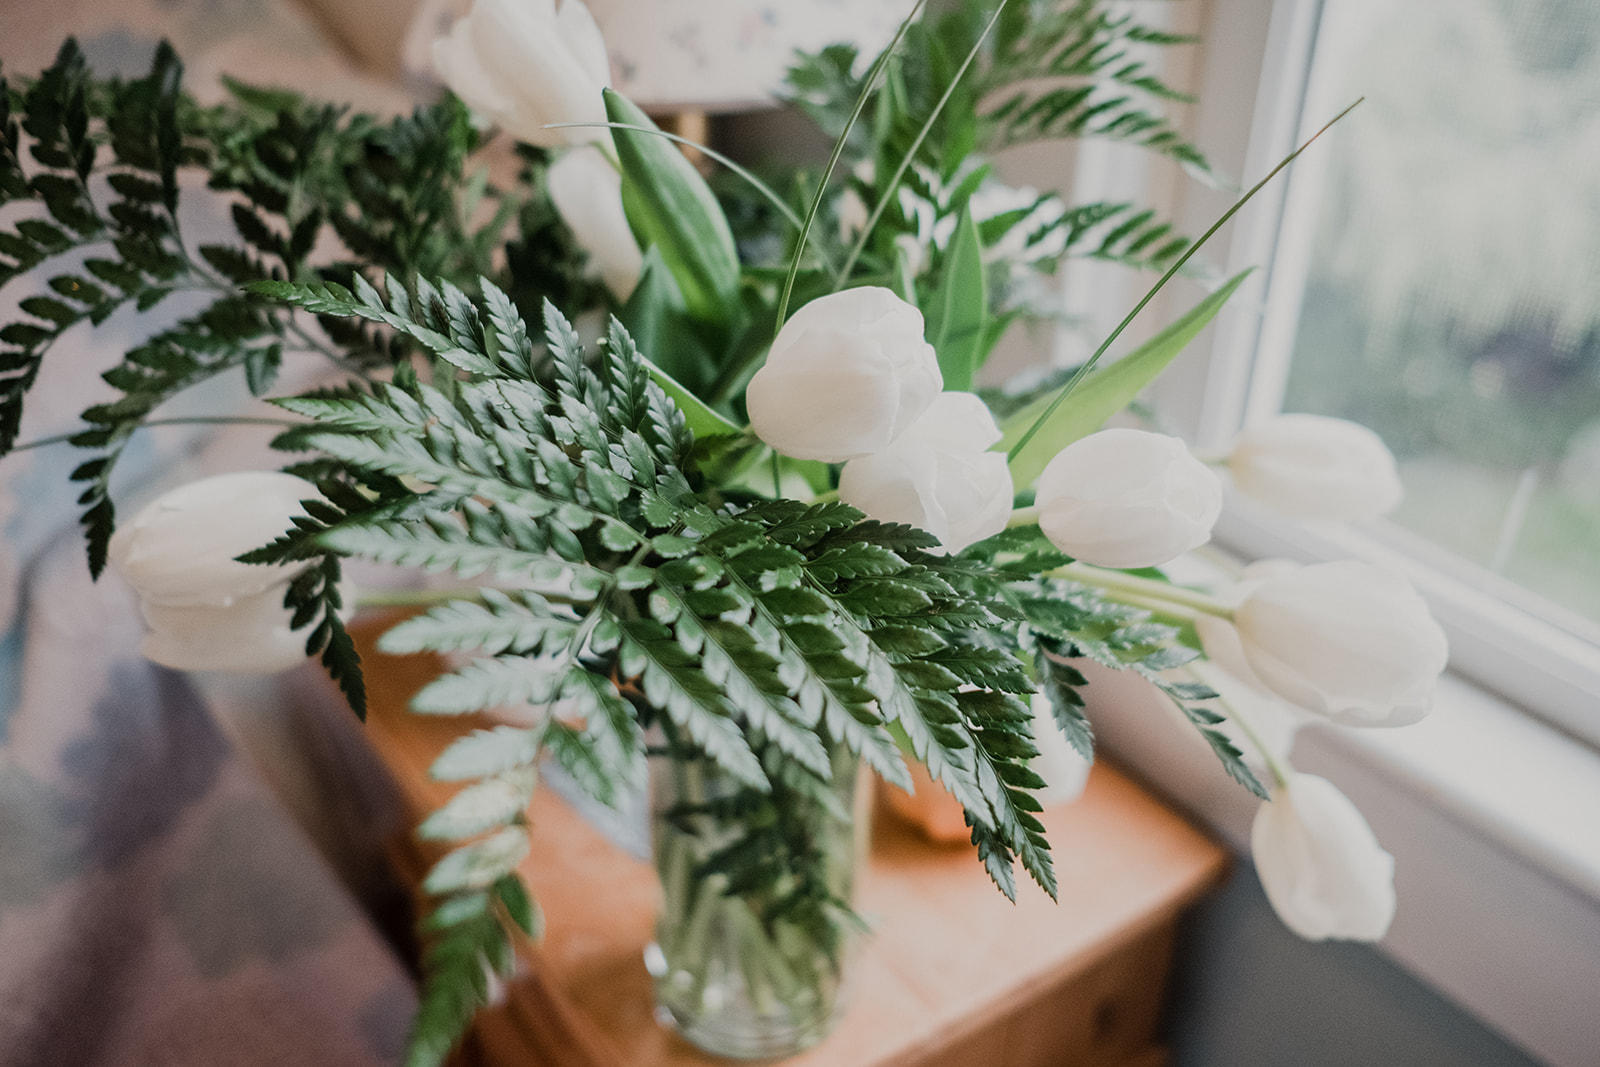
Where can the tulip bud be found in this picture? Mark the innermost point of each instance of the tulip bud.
(938, 476)
(1127, 498)
(847, 374)
(206, 610)
(1323, 870)
(1346, 640)
(1314, 467)
(1063, 768)
(523, 64)
(587, 192)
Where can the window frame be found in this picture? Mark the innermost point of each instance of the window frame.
(1504, 639)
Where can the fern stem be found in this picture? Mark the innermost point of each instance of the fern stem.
(315, 346)
(192, 420)
(1148, 589)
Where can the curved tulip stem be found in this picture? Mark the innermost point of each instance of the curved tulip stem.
(910, 156)
(412, 598)
(1148, 591)
(193, 420)
(868, 84)
(1023, 517)
(1276, 764)
(422, 598)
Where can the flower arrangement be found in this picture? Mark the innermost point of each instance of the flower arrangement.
(748, 509)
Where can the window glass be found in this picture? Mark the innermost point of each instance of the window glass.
(1453, 297)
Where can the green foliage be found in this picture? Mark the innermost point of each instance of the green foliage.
(1074, 69)
(392, 191)
(673, 209)
(60, 113)
(635, 580)
(1064, 621)
(1050, 69)
(1063, 412)
(958, 323)
(759, 637)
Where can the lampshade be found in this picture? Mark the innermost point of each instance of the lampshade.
(729, 55)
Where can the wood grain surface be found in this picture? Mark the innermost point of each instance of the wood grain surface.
(953, 975)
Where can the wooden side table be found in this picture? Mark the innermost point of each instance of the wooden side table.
(953, 975)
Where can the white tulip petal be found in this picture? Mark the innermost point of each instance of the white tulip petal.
(180, 549)
(524, 65)
(1322, 868)
(937, 476)
(1348, 641)
(205, 610)
(1127, 498)
(583, 37)
(587, 192)
(457, 66)
(846, 375)
(1315, 467)
(249, 636)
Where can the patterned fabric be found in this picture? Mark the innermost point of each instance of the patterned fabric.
(159, 903)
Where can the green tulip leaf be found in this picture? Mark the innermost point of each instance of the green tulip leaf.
(702, 420)
(671, 207)
(958, 309)
(659, 323)
(1104, 392)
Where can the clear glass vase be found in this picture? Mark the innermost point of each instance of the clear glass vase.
(750, 946)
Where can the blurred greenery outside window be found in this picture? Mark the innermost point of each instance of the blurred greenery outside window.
(1452, 298)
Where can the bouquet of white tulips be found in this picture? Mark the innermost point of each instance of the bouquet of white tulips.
(735, 487)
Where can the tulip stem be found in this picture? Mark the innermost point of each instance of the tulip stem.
(1164, 610)
(1089, 364)
(911, 154)
(867, 86)
(412, 598)
(1149, 590)
(421, 598)
(1023, 517)
(1275, 763)
(192, 420)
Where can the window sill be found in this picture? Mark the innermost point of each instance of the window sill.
(1489, 814)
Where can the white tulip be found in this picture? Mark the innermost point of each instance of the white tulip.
(938, 476)
(206, 610)
(1349, 641)
(853, 214)
(847, 374)
(1064, 770)
(1127, 498)
(1218, 637)
(1323, 870)
(1314, 467)
(523, 64)
(587, 192)
(249, 636)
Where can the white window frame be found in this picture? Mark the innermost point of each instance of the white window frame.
(1541, 658)
(1487, 809)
